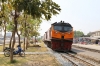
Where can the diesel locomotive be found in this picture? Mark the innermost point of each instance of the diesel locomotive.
(59, 36)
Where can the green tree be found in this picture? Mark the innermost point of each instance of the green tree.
(89, 34)
(36, 8)
(4, 18)
(78, 34)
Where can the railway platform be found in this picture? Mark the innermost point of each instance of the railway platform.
(93, 53)
(89, 46)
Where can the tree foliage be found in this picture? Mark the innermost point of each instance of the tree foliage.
(89, 34)
(78, 34)
(37, 8)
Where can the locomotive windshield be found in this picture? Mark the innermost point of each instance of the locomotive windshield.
(59, 28)
(63, 28)
(67, 28)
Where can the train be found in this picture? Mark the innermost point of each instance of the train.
(59, 37)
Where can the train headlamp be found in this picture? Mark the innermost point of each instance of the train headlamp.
(56, 32)
(68, 32)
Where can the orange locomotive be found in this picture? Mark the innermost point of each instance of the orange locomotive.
(59, 36)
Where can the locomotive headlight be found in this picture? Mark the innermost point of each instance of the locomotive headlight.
(68, 32)
(63, 33)
(56, 32)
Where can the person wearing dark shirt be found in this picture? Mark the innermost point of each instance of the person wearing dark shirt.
(19, 49)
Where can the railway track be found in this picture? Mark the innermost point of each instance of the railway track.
(88, 49)
(78, 60)
(73, 59)
(90, 53)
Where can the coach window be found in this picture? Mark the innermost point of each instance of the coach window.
(46, 35)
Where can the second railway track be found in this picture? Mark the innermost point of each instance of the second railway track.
(78, 60)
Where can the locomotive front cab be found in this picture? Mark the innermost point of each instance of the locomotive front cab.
(62, 36)
(62, 30)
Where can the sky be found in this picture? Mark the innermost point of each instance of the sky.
(83, 15)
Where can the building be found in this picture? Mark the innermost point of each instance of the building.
(95, 34)
(8, 34)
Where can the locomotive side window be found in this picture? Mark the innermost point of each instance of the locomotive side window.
(46, 35)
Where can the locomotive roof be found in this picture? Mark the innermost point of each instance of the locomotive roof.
(62, 23)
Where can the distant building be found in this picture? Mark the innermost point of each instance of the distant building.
(95, 34)
(8, 34)
(0, 34)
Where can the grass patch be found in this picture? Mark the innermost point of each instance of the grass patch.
(5, 61)
(1, 47)
(29, 60)
(6, 45)
(37, 48)
(32, 47)
(14, 61)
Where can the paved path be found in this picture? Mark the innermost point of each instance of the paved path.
(1, 53)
